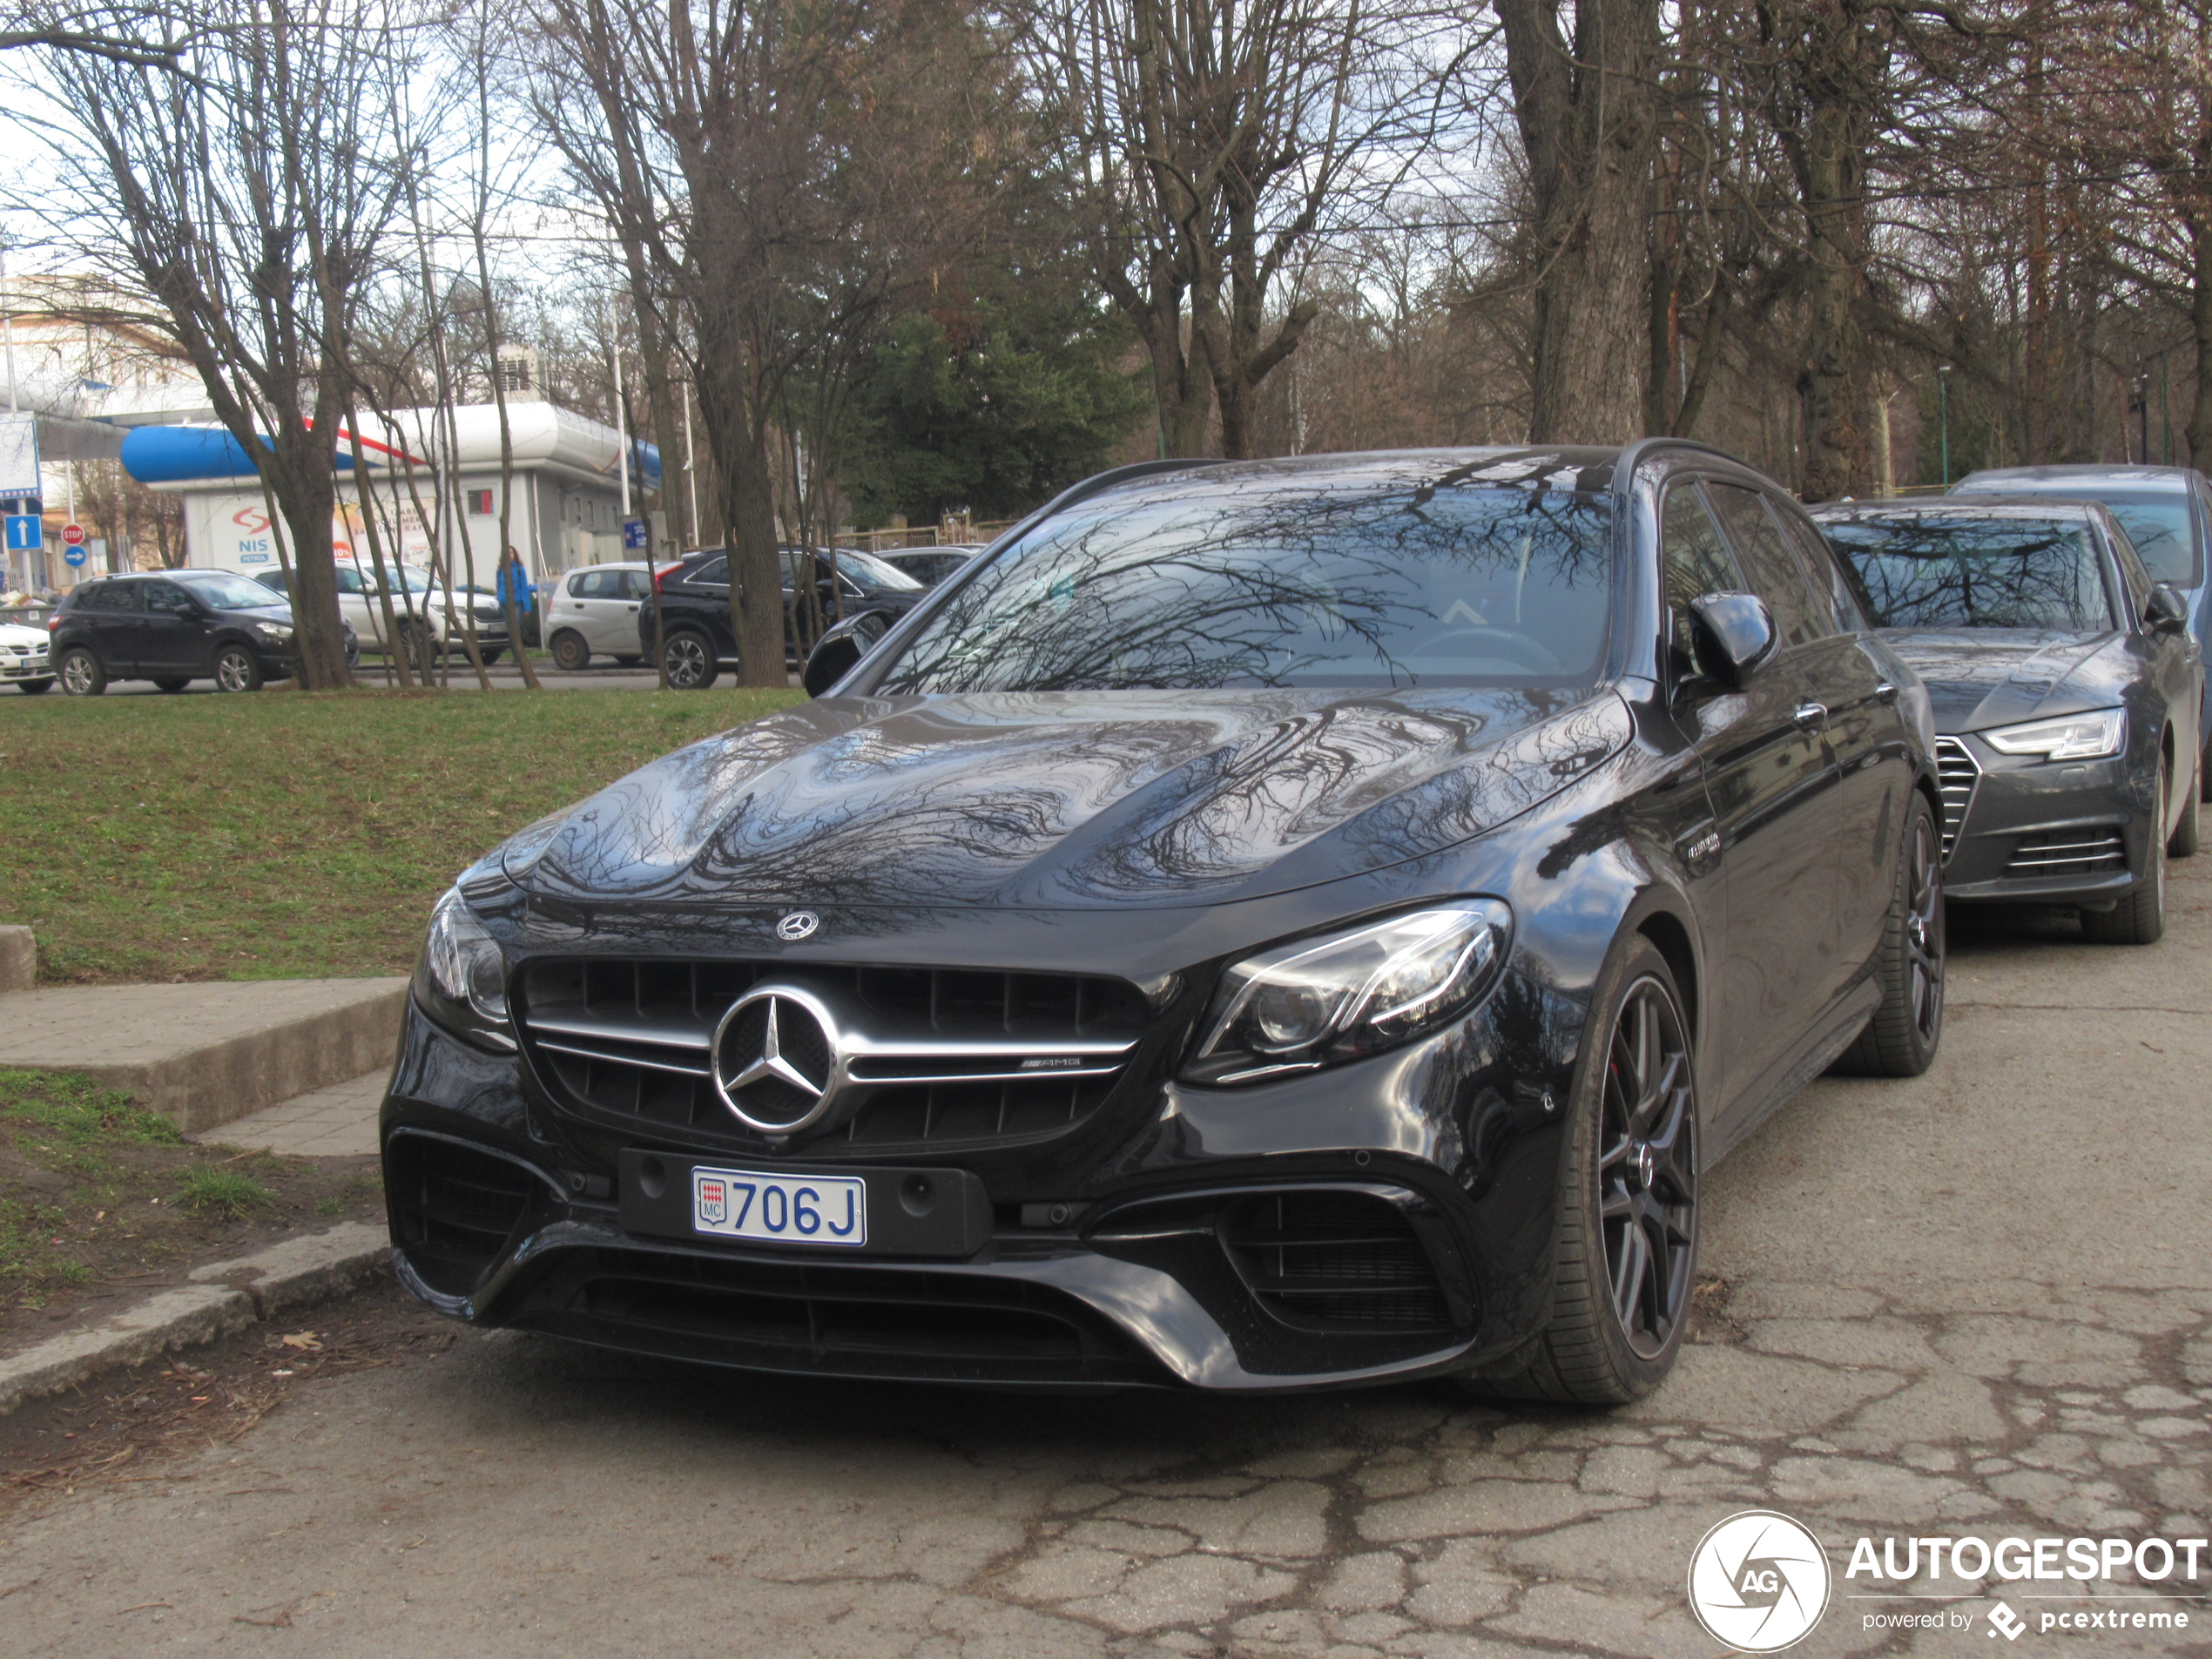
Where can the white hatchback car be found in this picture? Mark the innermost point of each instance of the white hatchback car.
(594, 611)
(24, 659)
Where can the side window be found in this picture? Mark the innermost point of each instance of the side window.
(1693, 561)
(168, 599)
(636, 586)
(715, 571)
(575, 586)
(1847, 597)
(275, 581)
(112, 595)
(349, 580)
(1775, 575)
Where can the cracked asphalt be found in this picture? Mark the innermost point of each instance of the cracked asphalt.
(1980, 1302)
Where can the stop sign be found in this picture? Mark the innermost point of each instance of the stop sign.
(73, 535)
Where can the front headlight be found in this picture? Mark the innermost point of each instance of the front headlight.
(462, 980)
(1317, 1002)
(2072, 737)
(274, 630)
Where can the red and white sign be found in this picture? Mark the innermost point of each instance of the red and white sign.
(73, 535)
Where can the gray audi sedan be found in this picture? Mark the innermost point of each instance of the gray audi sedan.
(2066, 686)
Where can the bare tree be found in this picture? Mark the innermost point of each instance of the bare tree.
(249, 197)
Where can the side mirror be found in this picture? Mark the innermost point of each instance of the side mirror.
(840, 649)
(2166, 611)
(1735, 634)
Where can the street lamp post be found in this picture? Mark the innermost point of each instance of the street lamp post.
(1943, 385)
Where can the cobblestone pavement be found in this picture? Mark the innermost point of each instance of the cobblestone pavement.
(1976, 1304)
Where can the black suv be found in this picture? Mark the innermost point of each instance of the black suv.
(174, 628)
(694, 602)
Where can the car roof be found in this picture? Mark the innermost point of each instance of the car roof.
(2058, 479)
(1972, 506)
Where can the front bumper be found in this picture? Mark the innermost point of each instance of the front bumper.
(2027, 831)
(35, 665)
(1230, 1240)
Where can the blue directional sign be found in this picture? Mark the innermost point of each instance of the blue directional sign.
(73, 557)
(26, 532)
(636, 536)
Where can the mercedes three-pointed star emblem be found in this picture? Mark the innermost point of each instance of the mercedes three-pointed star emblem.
(744, 1059)
(772, 1063)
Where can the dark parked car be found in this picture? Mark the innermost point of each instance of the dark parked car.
(1269, 925)
(694, 602)
(174, 628)
(930, 565)
(2066, 688)
(2167, 512)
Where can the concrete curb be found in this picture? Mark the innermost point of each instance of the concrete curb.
(18, 958)
(224, 1298)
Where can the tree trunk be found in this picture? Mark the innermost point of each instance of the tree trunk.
(2200, 427)
(1587, 114)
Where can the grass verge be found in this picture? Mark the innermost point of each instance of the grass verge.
(288, 835)
(99, 1198)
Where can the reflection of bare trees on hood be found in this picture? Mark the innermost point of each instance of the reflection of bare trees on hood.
(1496, 571)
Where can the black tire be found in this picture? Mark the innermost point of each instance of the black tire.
(628, 662)
(237, 668)
(1902, 1035)
(2187, 834)
(689, 656)
(35, 688)
(172, 684)
(570, 654)
(1628, 1200)
(490, 653)
(80, 674)
(2140, 917)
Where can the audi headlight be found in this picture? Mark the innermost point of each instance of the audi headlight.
(462, 980)
(2072, 737)
(1317, 1002)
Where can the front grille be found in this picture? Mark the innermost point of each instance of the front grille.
(1957, 775)
(456, 1208)
(2078, 852)
(1334, 1260)
(952, 1058)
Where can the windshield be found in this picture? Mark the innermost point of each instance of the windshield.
(1949, 572)
(1381, 577)
(227, 592)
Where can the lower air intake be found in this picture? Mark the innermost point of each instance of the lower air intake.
(454, 1209)
(1334, 1261)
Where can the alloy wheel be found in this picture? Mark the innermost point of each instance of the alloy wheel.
(1647, 1170)
(234, 671)
(1924, 929)
(686, 662)
(77, 677)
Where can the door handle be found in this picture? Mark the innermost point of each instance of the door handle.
(1811, 716)
(1886, 692)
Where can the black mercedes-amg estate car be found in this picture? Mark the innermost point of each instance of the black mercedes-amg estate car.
(1261, 925)
(2066, 687)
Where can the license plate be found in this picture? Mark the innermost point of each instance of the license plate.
(780, 1209)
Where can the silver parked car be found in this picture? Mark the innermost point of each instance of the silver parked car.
(593, 611)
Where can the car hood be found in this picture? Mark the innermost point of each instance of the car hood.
(1979, 678)
(1050, 800)
(20, 637)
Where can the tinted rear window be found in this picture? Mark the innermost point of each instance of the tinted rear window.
(1977, 573)
(1388, 576)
